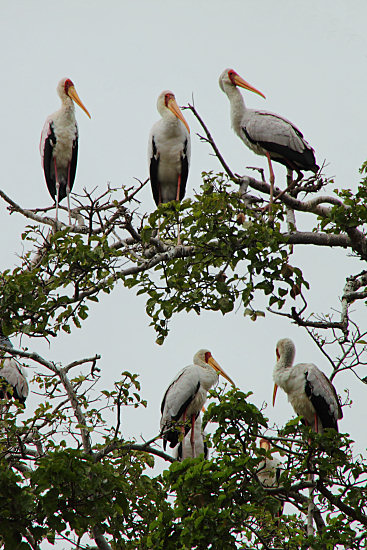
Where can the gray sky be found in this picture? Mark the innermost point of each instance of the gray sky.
(308, 58)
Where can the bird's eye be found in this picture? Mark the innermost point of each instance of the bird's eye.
(231, 75)
(67, 85)
(207, 356)
(167, 97)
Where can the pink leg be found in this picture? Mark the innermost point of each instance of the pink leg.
(57, 191)
(178, 188)
(177, 199)
(316, 423)
(192, 436)
(68, 193)
(183, 423)
(272, 181)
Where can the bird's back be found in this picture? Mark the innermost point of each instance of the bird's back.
(13, 374)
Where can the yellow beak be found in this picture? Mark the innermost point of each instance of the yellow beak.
(74, 96)
(274, 393)
(243, 84)
(172, 106)
(212, 362)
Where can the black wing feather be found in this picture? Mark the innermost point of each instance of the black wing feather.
(74, 160)
(153, 172)
(321, 407)
(173, 434)
(287, 156)
(184, 171)
(48, 149)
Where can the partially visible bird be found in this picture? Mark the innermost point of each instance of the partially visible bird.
(186, 395)
(266, 133)
(270, 468)
(309, 391)
(59, 144)
(184, 450)
(13, 382)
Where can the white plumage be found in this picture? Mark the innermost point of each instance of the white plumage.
(184, 450)
(186, 395)
(169, 151)
(12, 374)
(309, 391)
(270, 468)
(59, 144)
(266, 133)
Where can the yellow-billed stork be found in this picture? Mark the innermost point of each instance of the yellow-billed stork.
(169, 151)
(270, 468)
(266, 133)
(59, 144)
(13, 381)
(186, 395)
(309, 391)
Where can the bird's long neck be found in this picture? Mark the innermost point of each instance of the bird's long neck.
(286, 359)
(67, 110)
(238, 108)
(208, 376)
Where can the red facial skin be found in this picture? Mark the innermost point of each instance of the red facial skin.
(67, 85)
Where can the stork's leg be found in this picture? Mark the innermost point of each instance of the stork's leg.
(57, 191)
(183, 424)
(192, 436)
(159, 203)
(177, 199)
(316, 423)
(272, 181)
(291, 219)
(68, 193)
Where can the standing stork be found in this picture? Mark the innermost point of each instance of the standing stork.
(13, 382)
(186, 395)
(266, 133)
(309, 391)
(59, 144)
(269, 468)
(169, 150)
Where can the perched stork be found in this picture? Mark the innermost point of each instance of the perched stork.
(266, 133)
(309, 391)
(184, 450)
(269, 469)
(169, 151)
(12, 375)
(186, 395)
(59, 144)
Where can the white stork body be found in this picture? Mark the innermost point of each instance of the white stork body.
(59, 144)
(309, 391)
(12, 374)
(184, 450)
(270, 468)
(266, 133)
(186, 395)
(169, 151)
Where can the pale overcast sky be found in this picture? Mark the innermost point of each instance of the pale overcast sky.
(310, 60)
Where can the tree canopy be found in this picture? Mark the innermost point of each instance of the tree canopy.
(66, 471)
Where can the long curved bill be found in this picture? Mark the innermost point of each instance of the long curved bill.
(172, 106)
(212, 362)
(74, 96)
(274, 393)
(243, 84)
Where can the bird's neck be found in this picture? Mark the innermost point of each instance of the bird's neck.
(208, 377)
(67, 111)
(285, 361)
(238, 108)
